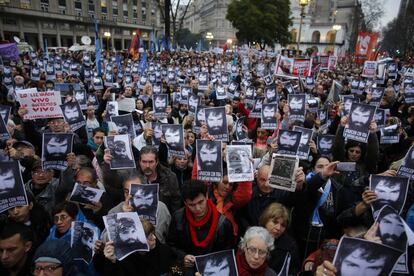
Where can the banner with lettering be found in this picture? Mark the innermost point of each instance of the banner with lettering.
(40, 105)
(302, 67)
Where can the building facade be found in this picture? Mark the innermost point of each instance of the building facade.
(209, 16)
(63, 22)
(328, 26)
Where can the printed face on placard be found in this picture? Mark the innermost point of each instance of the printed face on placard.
(123, 128)
(208, 155)
(143, 200)
(268, 112)
(325, 143)
(288, 139)
(387, 192)
(215, 121)
(304, 138)
(193, 101)
(360, 116)
(214, 268)
(347, 104)
(296, 103)
(356, 263)
(271, 93)
(202, 78)
(120, 150)
(71, 113)
(172, 136)
(127, 231)
(160, 102)
(57, 146)
(7, 180)
(392, 231)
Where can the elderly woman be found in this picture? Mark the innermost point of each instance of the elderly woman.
(254, 250)
(275, 218)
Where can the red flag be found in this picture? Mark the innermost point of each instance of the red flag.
(225, 48)
(135, 45)
(365, 45)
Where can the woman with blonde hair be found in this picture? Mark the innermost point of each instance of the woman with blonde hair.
(275, 218)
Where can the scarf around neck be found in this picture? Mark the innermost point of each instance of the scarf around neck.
(213, 215)
(245, 270)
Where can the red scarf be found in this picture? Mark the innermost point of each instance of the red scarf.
(245, 270)
(211, 214)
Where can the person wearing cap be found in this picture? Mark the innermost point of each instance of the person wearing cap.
(42, 186)
(55, 257)
(15, 249)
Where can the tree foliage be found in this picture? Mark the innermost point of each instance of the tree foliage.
(398, 35)
(373, 11)
(262, 21)
(186, 38)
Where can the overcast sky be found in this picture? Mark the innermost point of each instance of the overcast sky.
(390, 8)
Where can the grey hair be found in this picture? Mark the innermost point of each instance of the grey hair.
(257, 232)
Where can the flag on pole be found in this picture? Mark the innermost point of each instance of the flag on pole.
(135, 45)
(143, 62)
(46, 51)
(97, 49)
(153, 42)
(235, 56)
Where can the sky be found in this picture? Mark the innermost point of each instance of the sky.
(391, 8)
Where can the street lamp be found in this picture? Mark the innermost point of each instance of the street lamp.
(336, 27)
(209, 37)
(107, 35)
(303, 4)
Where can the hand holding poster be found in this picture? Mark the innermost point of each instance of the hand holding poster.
(269, 120)
(83, 238)
(12, 191)
(361, 116)
(288, 142)
(85, 195)
(40, 105)
(126, 231)
(55, 148)
(217, 122)
(282, 172)
(174, 138)
(369, 70)
(239, 166)
(144, 199)
(297, 107)
(72, 113)
(124, 124)
(358, 257)
(390, 135)
(209, 160)
(306, 137)
(217, 263)
(407, 167)
(121, 151)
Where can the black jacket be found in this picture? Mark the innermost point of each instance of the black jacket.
(284, 245)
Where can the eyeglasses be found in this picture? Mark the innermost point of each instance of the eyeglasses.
(48, 270)
(253, 251)
(56, 219)
(39, 172)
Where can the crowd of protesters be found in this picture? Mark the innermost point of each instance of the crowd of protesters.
(262, 224)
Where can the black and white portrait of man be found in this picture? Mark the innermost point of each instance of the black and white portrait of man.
(303, 150)
(240, 129)
(85, 195)
(193, 103)
(56, 146)
(124, 124)
(83, 238)
(297, 107)
(80, 97)
(221, 92)
(209, 160)
(126, 230)
(360, 119)
(144, 199)
(325, 144)
(363, 257)
(111, 109)
(5, 112)
(391, 228)
(239, 166)
(288, 142)
(250, 92)
(120, 149)
(390, 190)
(174, 137)
(257, 109)
(269, 120)
(160, 102)
(12, 192)
(390, 134)
(203, 80)
(72, 112)
(379, 117)
(217, 122)
(271, 93)
(217, 263)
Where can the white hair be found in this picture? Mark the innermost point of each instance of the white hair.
(257, 232)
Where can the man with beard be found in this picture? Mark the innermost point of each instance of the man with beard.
(154, 172)
(7, 182)
(160, 103)
(120, 156)
(288, 140)
(359, 117)
(215, 121)
(208, 158)
(391, 230)
(325, 145)
(269, 114)
(173, 137)
(127, 236)
(71, 112)
(85, 244)
(296, 104)
(57, 148)
(388, 192)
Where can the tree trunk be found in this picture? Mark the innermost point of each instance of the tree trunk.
(167, 6)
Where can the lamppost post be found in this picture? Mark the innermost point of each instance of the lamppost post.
(107, 35)
(303, 4)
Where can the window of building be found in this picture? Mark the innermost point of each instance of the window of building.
(91, 5)
(25, 4)
(293, 35)
(104, 8)
(134, 12)
(316, 37)
(78, 5)
(331, 36)
(62, 3)
(135, 2)
(44, 2)
(62, 11)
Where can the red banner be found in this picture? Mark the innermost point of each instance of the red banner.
(366, 46)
